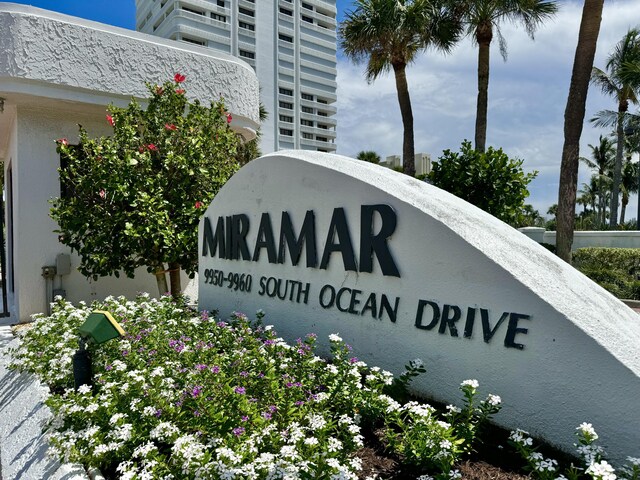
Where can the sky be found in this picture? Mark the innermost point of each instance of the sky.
(527, 93)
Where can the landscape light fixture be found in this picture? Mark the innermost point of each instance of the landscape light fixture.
(98, 328)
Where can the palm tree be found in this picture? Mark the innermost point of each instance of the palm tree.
(368, 156)
(388, 34)
(603, 159)
(482, 18)
(628, 183)
(617, 82)
(573, 120)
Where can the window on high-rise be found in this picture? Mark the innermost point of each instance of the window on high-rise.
(306, 123)
(246, 26)
(307, 6)
(285, 91)
(246, 11)
(286, 132)
(218, 17)
(321, 139)
(220, 3)
(191, 10)
(286, 11)
(306, 19)
(287, 105)
(308, 136)
(286, 118)
(306, 96)
(247, 54)
(307, 110)
(285, 38)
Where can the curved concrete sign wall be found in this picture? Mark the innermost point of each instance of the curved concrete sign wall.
(401, 269)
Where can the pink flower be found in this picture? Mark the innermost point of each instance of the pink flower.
(152, 147)
(180, 91)
(110, 120)
(159, 90)
(170, 126)
(229, 117)
(63, 141)
(102, 193)
(141, 149)
(199, 204)
(179, 78)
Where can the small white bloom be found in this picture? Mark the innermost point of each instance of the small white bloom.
(470, 383)
(335, 338)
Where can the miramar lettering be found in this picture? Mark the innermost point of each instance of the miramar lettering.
(229, 240)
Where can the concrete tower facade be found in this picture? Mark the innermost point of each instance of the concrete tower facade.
(291, 44)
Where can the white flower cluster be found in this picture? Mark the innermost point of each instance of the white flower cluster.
(601, 471)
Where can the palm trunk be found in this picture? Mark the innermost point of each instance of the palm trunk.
(174, 276)
(617, 171)
(573, 122)
(161, 279)
(483, 36)
(408, 153)
(625, 202)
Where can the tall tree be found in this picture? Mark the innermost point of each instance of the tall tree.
(602, 160)
(573, 122)
(388, 34)
(628, 184)
(617, 82)
(482, 19)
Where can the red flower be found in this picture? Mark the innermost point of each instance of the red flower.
(153, 147)
(141, 149)
(229, 117)
(110, 120)
(179, 78)
(170, 126)
(63, 141)
(103, 193)
(159, 90)
(199, 204)
(180, 91)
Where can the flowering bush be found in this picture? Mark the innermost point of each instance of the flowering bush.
(591, 455)
(134, 198)
(190, 396)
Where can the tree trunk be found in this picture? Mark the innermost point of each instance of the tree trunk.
(573, 122)
(408, 152)
(484, 35)
(625, 202)
(174, 276)
(617, 171)
(161, 278)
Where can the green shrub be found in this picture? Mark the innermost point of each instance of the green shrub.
(615, 269)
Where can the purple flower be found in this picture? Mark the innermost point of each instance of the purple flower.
(269, 342)
(200, 367)
(158, 413)
(197, 390)
(215, 369)
(125, 353)
(244, 374)
(244, 418)
(273, 408)
(221, 324)
(353, 359)
(299, 403)
(196, 413)
(108, 367)
(238, 431)
(240, 390)
(266, 415)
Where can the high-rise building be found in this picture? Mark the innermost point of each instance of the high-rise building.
(291, 44)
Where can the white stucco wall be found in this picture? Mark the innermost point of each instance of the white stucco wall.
(57, 72)
(581, 355)
(588, 238)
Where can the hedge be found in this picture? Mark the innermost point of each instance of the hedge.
(615, 269)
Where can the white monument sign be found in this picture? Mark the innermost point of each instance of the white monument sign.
(403, 270)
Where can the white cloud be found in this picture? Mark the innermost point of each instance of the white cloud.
(527, 97)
